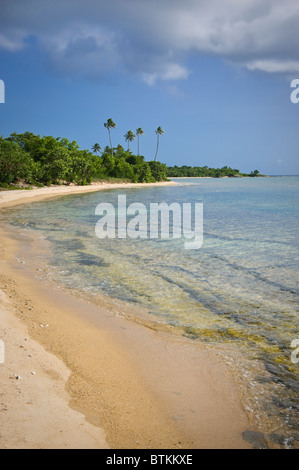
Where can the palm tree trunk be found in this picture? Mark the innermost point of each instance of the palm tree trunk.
(138, 145)
(157, 146)
(110, 142)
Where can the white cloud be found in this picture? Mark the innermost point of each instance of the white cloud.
(83, 49)
(175, 72)
(273, 66)
(14, 43)
(154, 37)
(168, 72)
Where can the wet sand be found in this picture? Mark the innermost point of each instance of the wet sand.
(100, 380)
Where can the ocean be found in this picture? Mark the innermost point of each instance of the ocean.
(238, 291)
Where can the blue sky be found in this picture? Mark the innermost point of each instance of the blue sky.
(215, 75)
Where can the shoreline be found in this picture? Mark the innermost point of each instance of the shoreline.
(24, 196)
(122, 379)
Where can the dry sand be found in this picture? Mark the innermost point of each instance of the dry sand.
(23, 196)
(90, 377)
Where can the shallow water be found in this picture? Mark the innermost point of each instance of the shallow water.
(240, 288)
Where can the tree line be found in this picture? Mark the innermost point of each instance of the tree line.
(186, 171)
(44, 160)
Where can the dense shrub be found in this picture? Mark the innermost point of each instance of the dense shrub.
(49, 160)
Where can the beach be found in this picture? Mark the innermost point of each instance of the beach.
(80, 375)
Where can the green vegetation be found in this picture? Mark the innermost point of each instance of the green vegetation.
(129, 136)
(254, 173)
(45, 160)
(205, 171)
(29, 159)
(96, 148)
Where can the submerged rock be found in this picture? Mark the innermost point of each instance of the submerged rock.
(257, 439)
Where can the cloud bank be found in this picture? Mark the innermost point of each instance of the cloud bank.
(154, 38)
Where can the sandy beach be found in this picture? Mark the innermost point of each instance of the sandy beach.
(23, 196)
(81, 375)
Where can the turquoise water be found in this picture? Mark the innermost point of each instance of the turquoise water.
(240, 288)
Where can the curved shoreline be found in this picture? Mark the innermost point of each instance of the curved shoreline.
(24, 196)
(143, 387)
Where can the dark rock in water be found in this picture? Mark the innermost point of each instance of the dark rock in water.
(287, 403)
(284, 441)
(274, 370)
(84, 259)
(92, 262)
(277, 439)
(257, 439)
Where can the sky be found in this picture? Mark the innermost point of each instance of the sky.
(216, 75)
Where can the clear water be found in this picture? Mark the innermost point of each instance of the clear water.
(240, 288)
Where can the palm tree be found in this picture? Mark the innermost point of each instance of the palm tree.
(96, 148)
(129, 136)
(110, 124)
(139, 132)
(159, 132)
